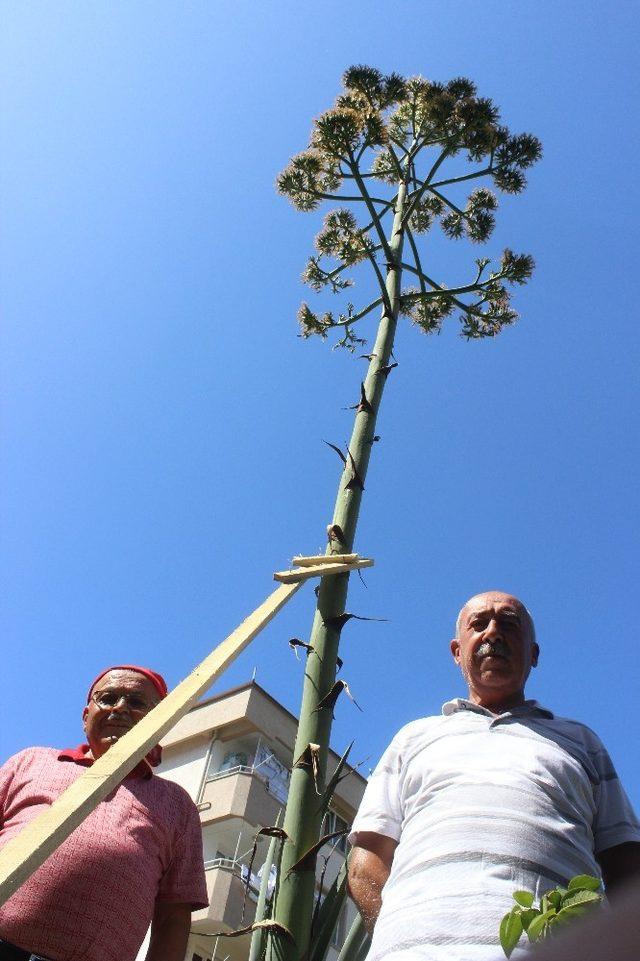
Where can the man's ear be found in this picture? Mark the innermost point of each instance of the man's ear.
(84, 718)
(535, 654)
(455, 649)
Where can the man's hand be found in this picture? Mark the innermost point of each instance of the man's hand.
(169, 931)
(369, 867)
(620, 867)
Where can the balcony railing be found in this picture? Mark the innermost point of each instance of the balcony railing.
(275, 781)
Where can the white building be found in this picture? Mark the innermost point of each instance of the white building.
(233, 753)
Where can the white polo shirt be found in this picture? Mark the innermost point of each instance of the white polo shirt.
(482, 806)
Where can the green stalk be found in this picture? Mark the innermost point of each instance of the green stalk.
(259, 937)
(376, 112)
(303, 815)
(356, 939)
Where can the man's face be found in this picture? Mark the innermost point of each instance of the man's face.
(495, 648)
(104, 725)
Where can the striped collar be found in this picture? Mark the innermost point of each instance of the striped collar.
(529, 707)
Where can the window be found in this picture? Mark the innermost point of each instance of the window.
(272, 771)
(250, 755)
(332, 823)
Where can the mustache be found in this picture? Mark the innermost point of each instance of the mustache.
(492, 649)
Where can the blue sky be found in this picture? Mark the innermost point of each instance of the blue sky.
(162, 423)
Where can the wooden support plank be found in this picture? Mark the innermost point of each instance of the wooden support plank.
(320, 570)
(29, 849)
(325, 559)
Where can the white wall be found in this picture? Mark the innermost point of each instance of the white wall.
(185, 765)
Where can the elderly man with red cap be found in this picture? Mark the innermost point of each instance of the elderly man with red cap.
(135, 861)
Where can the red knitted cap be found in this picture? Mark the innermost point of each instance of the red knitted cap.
(156, 679)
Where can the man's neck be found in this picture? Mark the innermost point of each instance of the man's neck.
(496, 704)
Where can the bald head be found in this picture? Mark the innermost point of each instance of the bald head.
(486, 595)
(495, 649)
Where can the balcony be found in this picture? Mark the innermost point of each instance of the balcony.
(226, 892)
(230, 849)
(239, 792)
(246, 780)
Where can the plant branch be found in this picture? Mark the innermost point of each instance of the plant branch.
(401, 146)
(415, 199)
(475, 285)
(330, 274)
(363, 176)
(381, 281)
(342, 197)
(389, 205)
(347, 322)
(400, 172)
(445, 200)
(459, 180)
(416, 256)
(372, 211)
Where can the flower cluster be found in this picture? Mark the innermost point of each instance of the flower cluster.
(385, 167)
(476, 221)
(493, 310)
(369, 89)
(424, 212)
(516, 268)
(381, 127)
(341, 238)
(355, 122)
(448, 114)
(427, 311)
(309, 176)
(338, 132)
(512, 156)
(317, 277)
(311, 323)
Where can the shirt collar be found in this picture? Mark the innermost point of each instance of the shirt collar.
(80, 755)
(523, 710)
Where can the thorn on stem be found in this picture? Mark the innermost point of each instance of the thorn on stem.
(295, 643)
(337, 450)
(356, 480)
(386, 370)
(335, 533)
(364, 406)
(340, 620)
(310, 757)
(329, 700)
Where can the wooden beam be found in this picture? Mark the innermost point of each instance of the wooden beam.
(320, 570)
(28, 850)
(325, 559)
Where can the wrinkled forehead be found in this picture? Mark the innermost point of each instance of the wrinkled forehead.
(125, 680)
(493, 602)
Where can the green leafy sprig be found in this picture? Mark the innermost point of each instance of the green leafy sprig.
(556, 908)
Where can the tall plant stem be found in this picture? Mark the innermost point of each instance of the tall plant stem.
(304, 812)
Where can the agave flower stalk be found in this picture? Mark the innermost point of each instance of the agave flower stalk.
(399, 138)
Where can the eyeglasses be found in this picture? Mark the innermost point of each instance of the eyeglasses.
(107, 700)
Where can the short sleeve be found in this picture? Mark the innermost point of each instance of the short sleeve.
(381, 809)
(184, 880)
(7, 776)
(615, 821)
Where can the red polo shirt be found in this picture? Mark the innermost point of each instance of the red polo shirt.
(94, 897)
